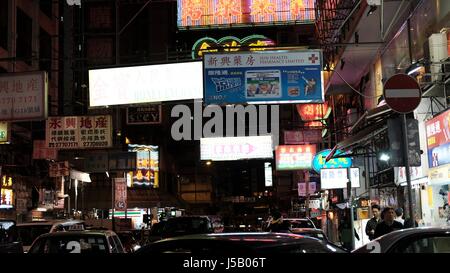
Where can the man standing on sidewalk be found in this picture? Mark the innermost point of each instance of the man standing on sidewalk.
(372, 223)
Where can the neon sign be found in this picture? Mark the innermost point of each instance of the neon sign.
(310, 112)
(6, 192)
(225, 13)
(230, 44)
(341, 162)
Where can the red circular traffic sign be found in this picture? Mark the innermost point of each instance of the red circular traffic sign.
(402, 93)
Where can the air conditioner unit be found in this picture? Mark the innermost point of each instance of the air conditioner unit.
(438, 53)
(374, 2)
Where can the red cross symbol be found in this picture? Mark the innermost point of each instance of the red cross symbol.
(313, 58)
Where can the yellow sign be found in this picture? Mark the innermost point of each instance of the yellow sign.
(4, 130)
(439, 175)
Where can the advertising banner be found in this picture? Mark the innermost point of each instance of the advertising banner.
(294, 157)
(7, 194)
(304, 136)
(23, 96)
(236, 148)
(120, 202)
(4, 132)
(268, 179)
(438, 139)
(79, 132)
(150, 114)
(263, 77)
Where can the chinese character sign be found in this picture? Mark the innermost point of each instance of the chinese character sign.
(79, 132)
(294, 157)
(23, 96)
(339, 162)
(438, 139)
(263, 77)
(120, 185)
(303, 136)
(310, 111)
(205, 13)
(147, 165)
(6, 197)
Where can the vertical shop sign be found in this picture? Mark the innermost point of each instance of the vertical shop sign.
(120, 202)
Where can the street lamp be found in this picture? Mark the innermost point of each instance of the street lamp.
(384, 157)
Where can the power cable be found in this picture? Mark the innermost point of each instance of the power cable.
(366, 96)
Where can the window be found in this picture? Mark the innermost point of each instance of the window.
(434, 244)
(4, 24)
(118, 244)
(112, 245)
(24, 33)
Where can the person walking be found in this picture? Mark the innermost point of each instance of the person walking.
(399, 214)
(372, 223)
(388, 224)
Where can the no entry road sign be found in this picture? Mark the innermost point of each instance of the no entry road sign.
(402, 93)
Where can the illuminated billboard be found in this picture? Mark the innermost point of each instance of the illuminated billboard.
(294, 157)
(226, 13)
(144, 84)
(235, 148)
(263, 77)
(147, 160)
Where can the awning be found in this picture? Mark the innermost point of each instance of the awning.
(375, 122)
(80, 176)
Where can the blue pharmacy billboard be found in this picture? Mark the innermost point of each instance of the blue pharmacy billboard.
(263, 77)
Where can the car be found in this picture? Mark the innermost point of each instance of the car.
(241, 243)
(129, 243)
(300, 222)
(411, 240)
(84, 242)
(8, 237)
(186, 225)
(28, 232)
(311, 232)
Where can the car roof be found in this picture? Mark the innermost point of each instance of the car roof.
(388, 240)
(51, 223)
(79, 233)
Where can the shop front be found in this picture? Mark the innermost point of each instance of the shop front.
(438, 141)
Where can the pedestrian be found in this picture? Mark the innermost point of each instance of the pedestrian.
(388, 224)
(399, 218)
(277, 224)
(372, 223)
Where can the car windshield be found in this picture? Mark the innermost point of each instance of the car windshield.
(71, 244)
(27, 234)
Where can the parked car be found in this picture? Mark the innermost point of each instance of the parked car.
(28, 232)
(129, 243)
(84, 242)
(186, 225)
(8, 237)
(311, 232)
(242, 243)
(411, 240)
(300, 222)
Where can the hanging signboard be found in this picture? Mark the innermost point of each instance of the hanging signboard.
(236, 148)
(294, 157)
(58, 169)
(150, 114)
(438, 139)
(146, 165)
(302, 188)
(263, 77)
(341, 162)
(4, 132)
(7, 194)
(79, 132)
(120, 185)
(23, 96)
(40, 151)
(303, 136)
(313, 111)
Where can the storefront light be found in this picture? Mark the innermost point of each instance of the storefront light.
(384, 157)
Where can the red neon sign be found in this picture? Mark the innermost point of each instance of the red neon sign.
(310, 112)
